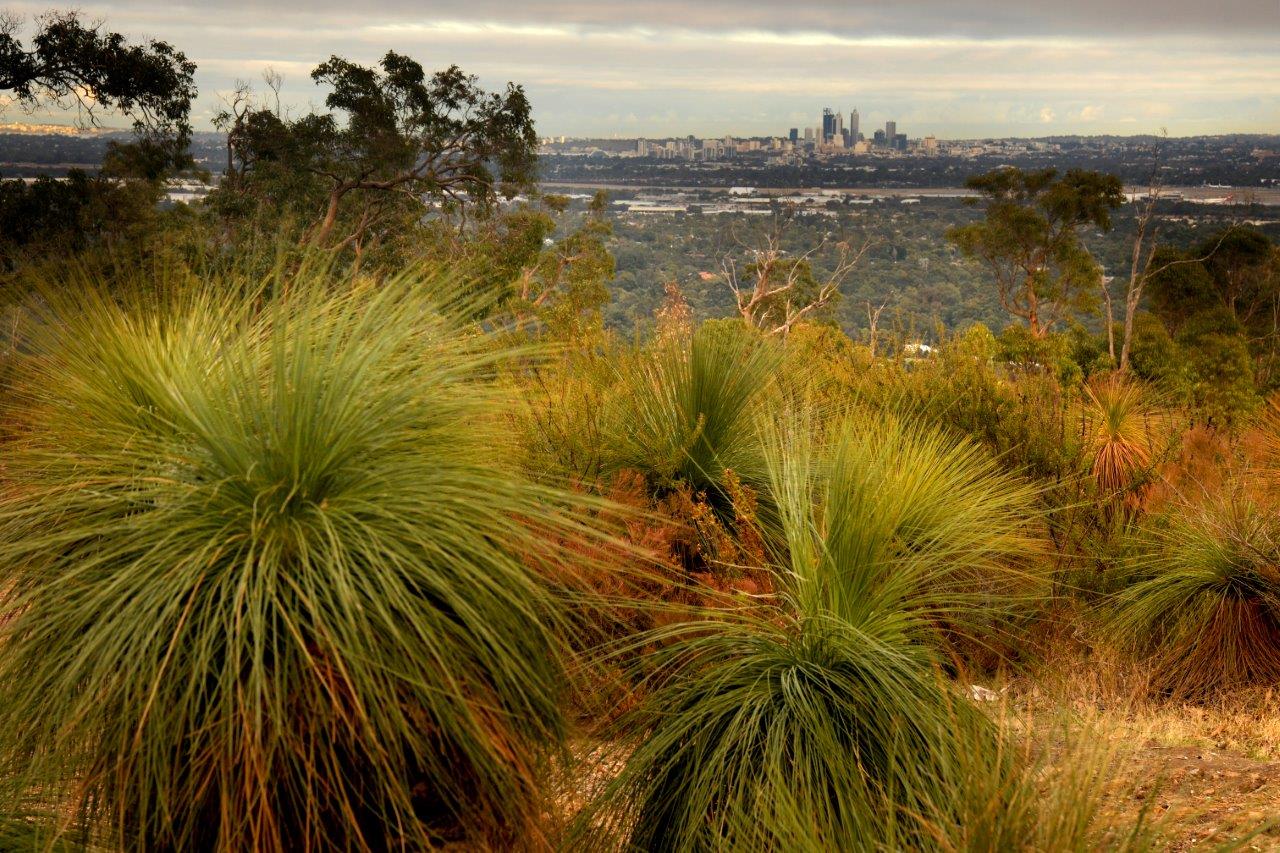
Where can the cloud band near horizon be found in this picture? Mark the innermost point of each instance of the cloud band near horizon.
(717, 67)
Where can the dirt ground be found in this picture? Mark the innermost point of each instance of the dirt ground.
(1206, 797)
(1207, 773)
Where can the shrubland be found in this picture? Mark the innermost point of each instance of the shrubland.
(339, 520)
(297, 552)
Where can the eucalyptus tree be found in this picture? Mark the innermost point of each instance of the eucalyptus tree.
(67, 64)
(1030, 239)
(393, 144)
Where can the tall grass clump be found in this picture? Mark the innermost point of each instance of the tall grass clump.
(684, 414)
(267, 581)
(1202, 597)
(825, 722)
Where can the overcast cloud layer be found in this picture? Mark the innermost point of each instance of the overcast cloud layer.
(1034, 67)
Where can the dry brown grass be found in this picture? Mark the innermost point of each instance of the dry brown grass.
(1207, 772)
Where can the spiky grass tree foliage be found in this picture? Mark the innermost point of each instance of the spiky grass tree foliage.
(824, 724)
(265, 581)
(894, 516)
(1202, 603)
(685, 413)
(1120, 438)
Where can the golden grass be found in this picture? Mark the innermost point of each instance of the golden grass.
(1207, 772)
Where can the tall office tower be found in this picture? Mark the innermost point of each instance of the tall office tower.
(837, 132)
(890, 131)
(808, 135)
(853, 125)
(795, 134)
(879, 139)
(828, 124)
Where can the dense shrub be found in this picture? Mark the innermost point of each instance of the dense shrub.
(1020, 414)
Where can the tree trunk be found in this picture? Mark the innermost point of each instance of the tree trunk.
(1033, 314)
(1130, 308)
(1111, 322)
(330, 216)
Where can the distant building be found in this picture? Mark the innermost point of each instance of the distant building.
(930, 144)
(795, 134)
(853, 126)
(900, 141)
(917, 349)
(828, 124)
(808, 135)
(890, 131)
(878, 139)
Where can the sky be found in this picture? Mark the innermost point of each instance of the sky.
(758, 67)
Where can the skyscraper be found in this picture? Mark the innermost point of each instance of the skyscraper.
(853, 125)
(890, 131)
(795, 134)
(828, 124)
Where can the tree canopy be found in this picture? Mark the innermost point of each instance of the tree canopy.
(1225, 288)
(1030, 239)
(70, 63)
(393, 141)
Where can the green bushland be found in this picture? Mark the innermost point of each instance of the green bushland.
(252, 506)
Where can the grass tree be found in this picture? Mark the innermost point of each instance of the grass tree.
(1123, 433)
(824, 722)
(1202, 601)
(268, 583)
(685, 413)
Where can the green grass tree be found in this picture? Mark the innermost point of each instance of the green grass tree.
(270, 581)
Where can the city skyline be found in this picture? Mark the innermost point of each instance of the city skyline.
(993, 68)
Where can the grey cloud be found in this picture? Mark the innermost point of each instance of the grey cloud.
(978, 19)
(748, 66)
